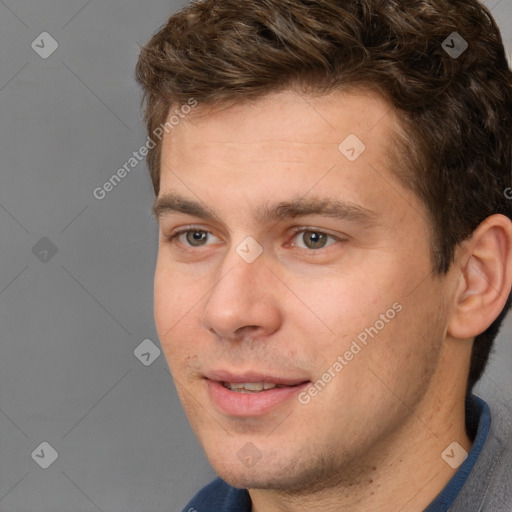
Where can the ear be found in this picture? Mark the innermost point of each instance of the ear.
(485, 278)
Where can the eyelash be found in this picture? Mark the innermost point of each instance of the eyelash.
(172, 238)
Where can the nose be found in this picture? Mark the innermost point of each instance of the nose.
(244, 301)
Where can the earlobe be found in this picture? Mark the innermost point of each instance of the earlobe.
(485, 278)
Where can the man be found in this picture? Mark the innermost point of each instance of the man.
(335, 253)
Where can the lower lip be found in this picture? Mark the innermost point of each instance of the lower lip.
(250, 404)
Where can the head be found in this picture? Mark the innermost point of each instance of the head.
(271, 89)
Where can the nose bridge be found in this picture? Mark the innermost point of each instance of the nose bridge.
(236, 277)
(243, 268)
(240, 296)
(238, 282)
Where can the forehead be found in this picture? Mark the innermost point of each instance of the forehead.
(283, 146)
(285, 124)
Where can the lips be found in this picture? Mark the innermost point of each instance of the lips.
(224, 376)
(252, 393)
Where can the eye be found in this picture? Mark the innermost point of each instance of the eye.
(314, 239)
(190, 237)
(311, 239)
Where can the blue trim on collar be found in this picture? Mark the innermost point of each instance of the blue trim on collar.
(219, 496)
(445, 499)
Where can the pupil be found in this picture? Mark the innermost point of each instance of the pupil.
(197, 236)
(316, 239)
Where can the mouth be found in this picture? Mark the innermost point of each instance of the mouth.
(251, 394)
(253, 387)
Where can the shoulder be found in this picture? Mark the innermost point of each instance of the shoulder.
(499, 496)
(489, 485)
(218, 496)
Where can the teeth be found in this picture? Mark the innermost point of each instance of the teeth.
(249, 387)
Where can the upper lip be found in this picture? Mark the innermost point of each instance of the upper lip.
(225, 376)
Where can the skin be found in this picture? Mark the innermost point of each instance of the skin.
(372, 439)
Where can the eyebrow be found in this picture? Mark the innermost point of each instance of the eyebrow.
(268, 213)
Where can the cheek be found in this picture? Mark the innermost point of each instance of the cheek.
(386, 328)
(338, 310)
(405, 353)
(174, 300)
(175, 294)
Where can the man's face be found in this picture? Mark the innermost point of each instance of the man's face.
(283, 299)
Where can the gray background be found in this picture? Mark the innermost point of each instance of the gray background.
(71, 321)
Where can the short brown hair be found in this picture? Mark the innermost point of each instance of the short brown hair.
(454, 150)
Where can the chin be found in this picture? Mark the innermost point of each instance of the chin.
(249, 478)
(266, 473)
